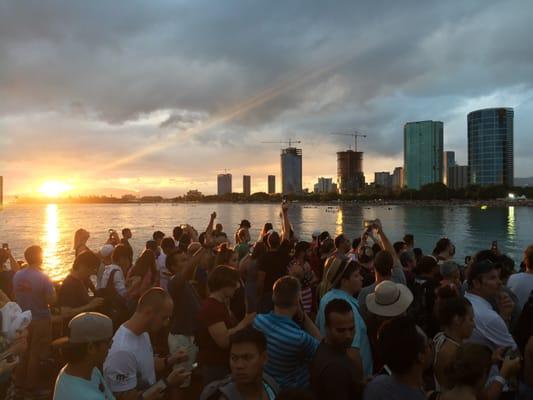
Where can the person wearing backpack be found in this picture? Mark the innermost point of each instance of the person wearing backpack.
(423, 288)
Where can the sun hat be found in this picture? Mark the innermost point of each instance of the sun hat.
(389, 299)
(106, 250)
(88, 327)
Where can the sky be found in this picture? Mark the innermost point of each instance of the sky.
(158, 97)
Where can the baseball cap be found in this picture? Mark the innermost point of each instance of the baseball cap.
(88, 327)
(106, 250)
(389, 299)
(245, 224)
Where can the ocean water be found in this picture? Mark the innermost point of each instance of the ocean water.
(52, 226)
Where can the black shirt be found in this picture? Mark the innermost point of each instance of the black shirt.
(126, 243)
(6, 283)
(187, 304)
(333, 375)
(73, 293)
(274, 264)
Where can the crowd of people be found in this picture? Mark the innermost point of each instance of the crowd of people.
(215, 316)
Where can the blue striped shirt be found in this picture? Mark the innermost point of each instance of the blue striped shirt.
(290, 350)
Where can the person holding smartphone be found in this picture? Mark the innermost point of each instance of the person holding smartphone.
(6, 275)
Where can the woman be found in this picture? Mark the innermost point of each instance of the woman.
(217, 324)
(248, 270)
(227, 256)
(264, 232)
(81, 236)
(300, 268)
(444, 250)
(143, 275)
(456, 319)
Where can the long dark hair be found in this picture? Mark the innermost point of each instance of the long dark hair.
(145, 263)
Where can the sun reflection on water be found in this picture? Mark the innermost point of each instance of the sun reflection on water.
(51, 237)
(339, 228)
(511, 228)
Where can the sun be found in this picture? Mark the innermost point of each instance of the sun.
(54, 188)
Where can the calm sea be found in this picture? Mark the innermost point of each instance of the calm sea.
(53, 226)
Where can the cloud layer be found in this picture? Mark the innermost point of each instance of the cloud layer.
(174, 92)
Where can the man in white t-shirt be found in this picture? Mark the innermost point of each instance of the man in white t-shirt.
(120, 258)
(167, 245)
(522, 283)
(105, 259)
(130, 367)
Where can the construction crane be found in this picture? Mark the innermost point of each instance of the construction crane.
(290, 142)
(354, 134)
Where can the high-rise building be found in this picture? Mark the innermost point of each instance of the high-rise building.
(350, 177)
(448, 160)
(1, 191)
(247, 185)
(490, 146)
(383, 179)
(423, 145)
(223, 184)
(397, 178)
(271, 184)
(291, 170)
(325, 185)
(458, 176)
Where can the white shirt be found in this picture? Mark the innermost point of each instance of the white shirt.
(521, 284)
(130, 362)
(490, 329)
(118, 280)
(163, 271)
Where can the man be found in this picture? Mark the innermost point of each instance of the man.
(130, 367)
(117, 270)
(345, 281)
(105, 257)
(167, 245)
(424, 288)
(384, 270)
(490, 328)
(73, 297)
(289, 366)
(333, 373)
(6, 275)
(406, 351)
(342, 246)
(34, 291)
(158, 237)
(126, 236)
(248, 357)
(522, 283)
(85, 350)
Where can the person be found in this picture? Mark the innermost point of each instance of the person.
(365, 257)
(126, 237)
(333, 373)
(423, 289)
(399, 248)
(273, 265)
(290, 345)
(176, 234)
(216, 324)
(248, 269)
(469, 372)
(346, 280)
(144, 268)
(73, 297)
(451, 276)
(300, 268)
(242, 238)
(522, 283)
(408, 261)
(167, 245)
(158, 237)
(113, 238)
(406, 352)
(384, 269)
(130, 366)
(265, 231)
(342, 246)
(524, 338)
(105, 254)
(186, 303)
(34, 291)
(444, 250)
(247, 380)
(6, 275)
(409, 240)
(85, 350)
(456, 319)
(81, 236)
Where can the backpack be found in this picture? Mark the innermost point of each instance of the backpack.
(115, 306)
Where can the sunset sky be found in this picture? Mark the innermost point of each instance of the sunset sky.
(157, 97)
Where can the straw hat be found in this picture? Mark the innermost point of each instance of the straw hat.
(389, 299)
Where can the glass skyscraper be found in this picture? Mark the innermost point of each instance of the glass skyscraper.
(490, 146)
(423, 145)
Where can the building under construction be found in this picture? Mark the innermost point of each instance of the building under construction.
(291, 170)
(350, 176)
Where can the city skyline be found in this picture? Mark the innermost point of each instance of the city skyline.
(157, 98)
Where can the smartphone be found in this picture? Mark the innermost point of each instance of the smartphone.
(5, 246)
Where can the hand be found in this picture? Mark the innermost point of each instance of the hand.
(248, 319)
(96, 303)
(213, 215)
(284, 207)
(179, 356)
(510, 367)
(506, 306)
(377, 224)
(497, 355)
(178, 376)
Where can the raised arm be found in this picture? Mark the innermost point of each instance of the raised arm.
(285, 223)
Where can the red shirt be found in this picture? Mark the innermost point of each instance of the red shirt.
(212, 312)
